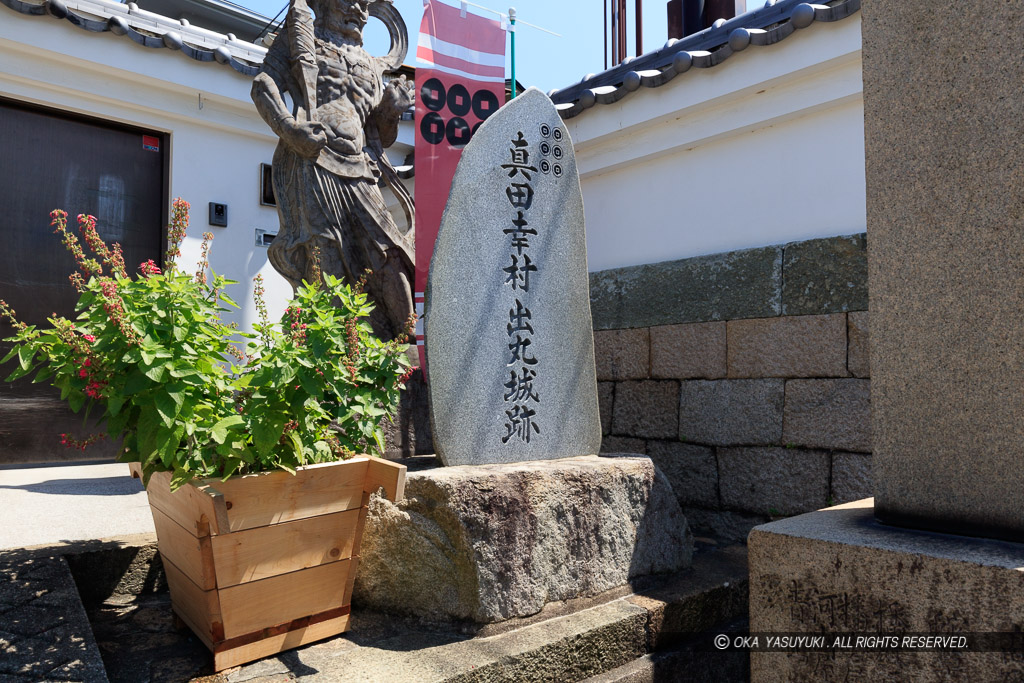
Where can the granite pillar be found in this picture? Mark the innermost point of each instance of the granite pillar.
(938, 550)
(943, 109)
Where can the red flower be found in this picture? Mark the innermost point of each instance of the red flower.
(149, 268)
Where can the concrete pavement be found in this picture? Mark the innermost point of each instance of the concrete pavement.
(57, 504)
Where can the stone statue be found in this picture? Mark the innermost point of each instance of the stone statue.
(330, 158)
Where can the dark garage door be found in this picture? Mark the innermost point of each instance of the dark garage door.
(49, 160)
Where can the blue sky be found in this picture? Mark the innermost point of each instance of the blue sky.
(542, 60)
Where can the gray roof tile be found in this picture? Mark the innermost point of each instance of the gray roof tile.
(120, 26)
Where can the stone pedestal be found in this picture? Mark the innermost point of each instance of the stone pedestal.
(839, 571)
(487, 543)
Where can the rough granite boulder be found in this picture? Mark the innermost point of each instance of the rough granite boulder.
(494, 542)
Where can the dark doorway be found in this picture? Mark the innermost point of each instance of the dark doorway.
(51, 160)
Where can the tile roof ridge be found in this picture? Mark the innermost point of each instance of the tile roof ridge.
(774, 22)
(149, 30)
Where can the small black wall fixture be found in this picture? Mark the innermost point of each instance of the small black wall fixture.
(219, 214)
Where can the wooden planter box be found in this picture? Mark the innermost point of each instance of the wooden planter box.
(263, 563)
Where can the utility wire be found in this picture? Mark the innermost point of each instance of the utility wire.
(271, 22)
(505, 16)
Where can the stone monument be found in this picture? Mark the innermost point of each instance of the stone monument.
(945, 211)
(330, 157)
(510, 346)
(526, 513)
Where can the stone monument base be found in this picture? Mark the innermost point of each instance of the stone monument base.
(486, 543)
(839, 571)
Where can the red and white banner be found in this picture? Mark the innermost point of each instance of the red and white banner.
(460, 81)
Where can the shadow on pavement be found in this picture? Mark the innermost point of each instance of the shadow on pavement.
(103, 486)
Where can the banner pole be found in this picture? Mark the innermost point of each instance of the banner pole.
(512, 20)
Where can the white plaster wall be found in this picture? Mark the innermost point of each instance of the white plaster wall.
(765, 148)
(762, 149)
(217, 139)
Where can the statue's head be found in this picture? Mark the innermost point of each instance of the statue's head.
(343, 17)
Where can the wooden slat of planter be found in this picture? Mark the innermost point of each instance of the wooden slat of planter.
(271, 645)
(270, 497)
(188, 506)
(198, 608)
(390, 475)
(252, 606)
(197, 630)
(190, 554)
(255, 554)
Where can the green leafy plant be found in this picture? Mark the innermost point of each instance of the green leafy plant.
(172, 382)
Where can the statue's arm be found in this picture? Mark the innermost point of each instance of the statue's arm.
(397, 97)
(305, 138)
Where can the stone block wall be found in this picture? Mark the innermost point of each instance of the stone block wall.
(744, 376)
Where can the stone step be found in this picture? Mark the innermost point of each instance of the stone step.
(582, 642)
(567, 641)
(690, 662)
(44, 631)
(681, 665)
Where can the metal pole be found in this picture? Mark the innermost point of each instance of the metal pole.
(512, 20)
(612, 5)
(639, 27)
(604, 11)
(623, 26)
